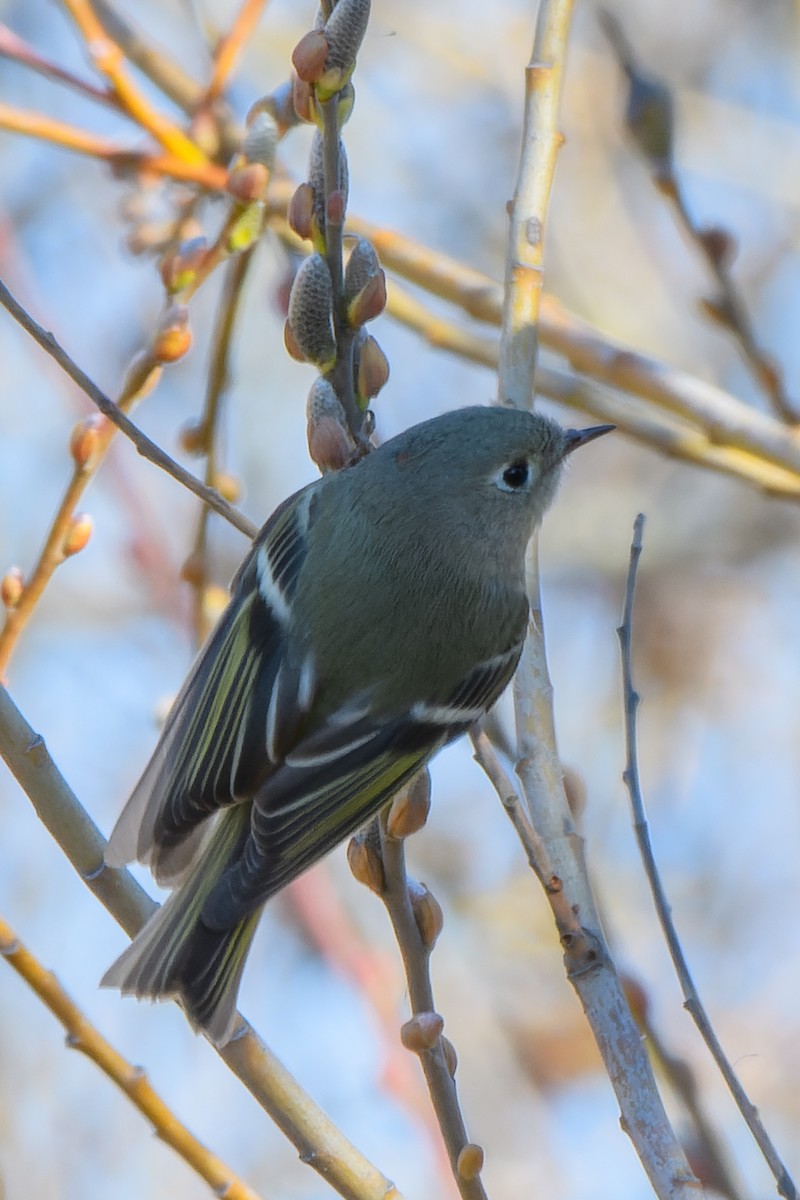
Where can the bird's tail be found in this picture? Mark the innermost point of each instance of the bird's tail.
(177, 955)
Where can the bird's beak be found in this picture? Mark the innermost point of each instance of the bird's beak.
(579, 437)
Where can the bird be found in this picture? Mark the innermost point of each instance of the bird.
(379, 613)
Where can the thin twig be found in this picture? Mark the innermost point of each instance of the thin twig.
(230, 47)
(416, 958)
(147, 448)
(132, 1081)
(692, 1002)
(650, 121)
(16, 49)
(588, 964)
(318, 1141)
(205, 174)
(218, 376)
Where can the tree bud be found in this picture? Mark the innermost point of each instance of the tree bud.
(311, 312)
(330, 443)
(248, 184)
(301, 210)
(372, 369)
(303, 99)
(78, 533)
(309, 56)
(173, 337)
(469, 1163)
(12, 587)
(344, 33)
(450, 1056)
(365, 863)
(193, 438)
(261, 139)
(427, 913)
(409, 809)
(179, 267)
(85, 440)
(228, 487)
(422, 1032)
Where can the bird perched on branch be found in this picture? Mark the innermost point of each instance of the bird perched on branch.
(380, 612)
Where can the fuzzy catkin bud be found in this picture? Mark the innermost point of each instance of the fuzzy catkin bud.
(77, 535)
(344, 33)
(329, 441)
(364, 284)
(422, 1032)
(12, 587)
(261, 139)
(311, 312)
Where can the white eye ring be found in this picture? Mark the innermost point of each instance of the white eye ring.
(515, 476)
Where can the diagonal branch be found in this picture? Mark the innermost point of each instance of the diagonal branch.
(84, 1036)
(318, 1141)
(692, 1002)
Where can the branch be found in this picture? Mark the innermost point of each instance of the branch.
(230, 47)
(416, 920)
(18, 50)
(132, 1081)
(692, 1002)
(318, 1141)
(587, 961)
(205, 174)
(108, 59)
(147, 448)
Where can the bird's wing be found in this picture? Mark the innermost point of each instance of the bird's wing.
(338, 777)
(237, 714)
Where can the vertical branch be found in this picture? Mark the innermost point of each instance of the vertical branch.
(588, 965)
(693, 1004)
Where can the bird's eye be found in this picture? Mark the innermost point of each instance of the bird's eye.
(516, 475)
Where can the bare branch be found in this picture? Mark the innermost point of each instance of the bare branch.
(587, 961)
(692, 1002)
(147, 448)
(318, 1141)
(84, 1036)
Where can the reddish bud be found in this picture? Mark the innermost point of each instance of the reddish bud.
(303, 99)
(450, 1056)
(291, 344)
(330, 443)
(372, 371)
(248, 184)
(309, 55)
(301, 210)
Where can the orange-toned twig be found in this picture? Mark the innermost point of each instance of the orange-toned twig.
(230, 46)
(109, 60)
(205, 174)
(84, 1036)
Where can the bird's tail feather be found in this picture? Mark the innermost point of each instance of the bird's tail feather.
(177, 955)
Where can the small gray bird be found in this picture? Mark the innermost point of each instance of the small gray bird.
(379, 613)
